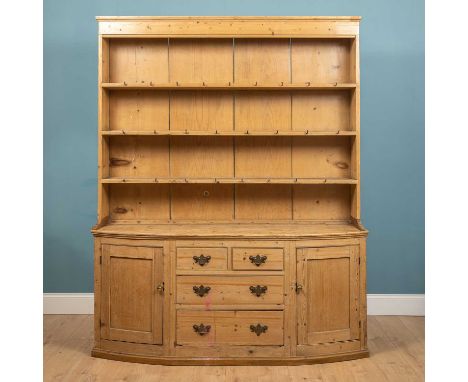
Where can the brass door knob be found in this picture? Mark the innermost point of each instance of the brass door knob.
(160, 287)
(298, 288)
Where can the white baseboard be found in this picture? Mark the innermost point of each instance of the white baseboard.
(68, 303)
(395, 304)
(377, 304)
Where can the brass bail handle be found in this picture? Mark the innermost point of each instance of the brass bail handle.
(201, 260)
(201, 290)
(258, 259)
(258, 329)
(258, 290)
(201, 329)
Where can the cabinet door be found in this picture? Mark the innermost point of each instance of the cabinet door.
(132, 306)
(328, 303)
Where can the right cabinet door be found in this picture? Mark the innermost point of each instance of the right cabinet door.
(327, 300)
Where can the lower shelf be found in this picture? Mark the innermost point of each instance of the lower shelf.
(230, 180)
(179, 361)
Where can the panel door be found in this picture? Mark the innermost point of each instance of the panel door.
(328, 302)
(132, 304)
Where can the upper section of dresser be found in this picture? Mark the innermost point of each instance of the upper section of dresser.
(219, 120)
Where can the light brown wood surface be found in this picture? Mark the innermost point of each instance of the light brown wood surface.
(267, 259)
(239, 230)
(232, 290)
(216, 258)
(221, 140)
(128, 272)
(328, 303)
(157, 85)
(396, 344)
(230, 327)
(219, 26)
(227, 86)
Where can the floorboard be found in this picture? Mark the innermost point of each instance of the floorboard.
(396, 344)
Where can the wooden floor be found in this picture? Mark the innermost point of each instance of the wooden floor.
(396, 344)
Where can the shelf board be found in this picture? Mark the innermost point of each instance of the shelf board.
(257, 133)
(232, 180)
(227, 86)
(231, 230)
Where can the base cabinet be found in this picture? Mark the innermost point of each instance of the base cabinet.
(229, 302)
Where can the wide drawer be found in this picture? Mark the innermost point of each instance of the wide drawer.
(228, 290)
(229, 327)
(257, 258)
(201, 258)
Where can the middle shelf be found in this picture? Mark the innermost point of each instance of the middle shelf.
(231, 180)
(227, 86)
(257, 133)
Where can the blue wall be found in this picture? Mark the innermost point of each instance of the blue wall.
(392, 123)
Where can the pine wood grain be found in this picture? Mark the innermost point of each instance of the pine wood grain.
(251, 123)
(232, 290)
(198, 60)
(139, 60)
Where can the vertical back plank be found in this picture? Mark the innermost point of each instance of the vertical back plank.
(139, 157)
(321, 157)
(139, 110)
(320, 60)
(206, 202)
(321, 110)
(138, 61)
(321, 202)
(263, 202)
(202, 157)
(263, 157)
(139, 202)
(261, 61)
(201, 60)
(265, 111)
(202, 111)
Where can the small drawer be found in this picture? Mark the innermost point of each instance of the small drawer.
(229, 290)
(201, 258)
(229, 327)
(257, 259)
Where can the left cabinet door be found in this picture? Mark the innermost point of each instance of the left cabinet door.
(132, 303)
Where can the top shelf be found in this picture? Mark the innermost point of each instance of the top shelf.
(228, 85)
(280, 18)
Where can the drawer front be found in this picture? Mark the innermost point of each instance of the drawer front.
(201, 258)
(229, 327)
(257, 258)
(227, 290)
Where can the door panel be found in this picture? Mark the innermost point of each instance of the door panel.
(328, 304)
(131, 305)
